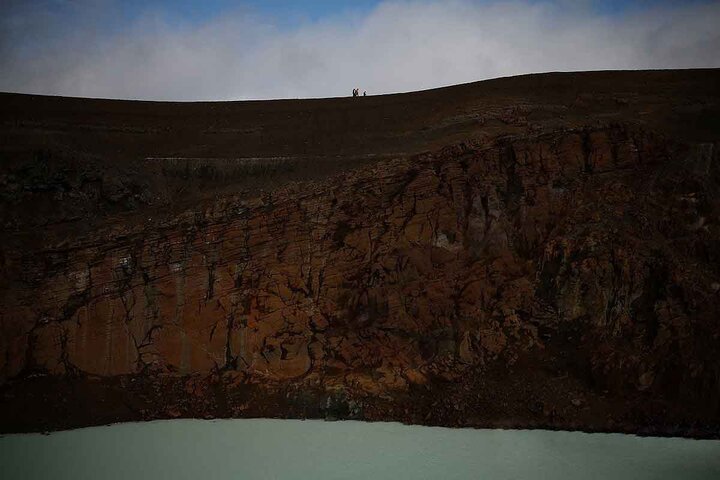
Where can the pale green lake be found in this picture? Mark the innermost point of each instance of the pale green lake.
(317, 450)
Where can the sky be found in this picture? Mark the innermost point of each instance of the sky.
(254, 49)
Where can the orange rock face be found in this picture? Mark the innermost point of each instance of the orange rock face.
(564, 279)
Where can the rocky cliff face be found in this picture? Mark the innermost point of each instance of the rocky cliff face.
(566, 278)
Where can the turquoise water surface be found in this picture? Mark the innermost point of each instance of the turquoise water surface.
(317, 450)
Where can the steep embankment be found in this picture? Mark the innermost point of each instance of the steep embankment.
(532, 251)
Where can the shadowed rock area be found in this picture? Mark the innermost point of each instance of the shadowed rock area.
(534, 251)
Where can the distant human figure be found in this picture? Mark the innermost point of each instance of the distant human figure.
(364, 93)
(355, 92)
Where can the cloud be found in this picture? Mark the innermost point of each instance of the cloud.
(398, 46)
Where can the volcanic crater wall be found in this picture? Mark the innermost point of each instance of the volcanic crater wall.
(536, 251)
(587, 255)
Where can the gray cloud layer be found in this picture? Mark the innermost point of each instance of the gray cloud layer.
(400, 46)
